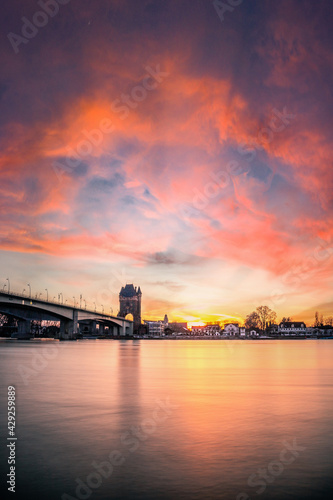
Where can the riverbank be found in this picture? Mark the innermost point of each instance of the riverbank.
(228, 339)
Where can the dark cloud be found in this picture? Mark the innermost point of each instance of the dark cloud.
(170, 258)
(103, 184)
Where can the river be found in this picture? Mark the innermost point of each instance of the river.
(170, 419)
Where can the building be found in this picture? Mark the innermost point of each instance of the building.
(142, 330)
(130, 303)
(197, 330)
(212, 329)
(177, 326)
(323, 331)
(179, 331)
(161, 328)
(209, 329)
(155, 328)
(292, 328)
(231, 329)
(272, 329)
(253, 332)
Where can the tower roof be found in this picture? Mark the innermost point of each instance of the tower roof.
(128, 291)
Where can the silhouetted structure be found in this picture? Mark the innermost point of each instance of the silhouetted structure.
(130, 303)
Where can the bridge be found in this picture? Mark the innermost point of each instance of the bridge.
(26, 309)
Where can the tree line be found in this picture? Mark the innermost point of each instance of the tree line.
(263, 317)
(321, 321)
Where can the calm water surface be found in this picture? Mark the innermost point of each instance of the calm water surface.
(181, 419)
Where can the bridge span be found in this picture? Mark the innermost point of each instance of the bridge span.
(27, 309)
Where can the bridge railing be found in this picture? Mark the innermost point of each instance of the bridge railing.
(56, 302)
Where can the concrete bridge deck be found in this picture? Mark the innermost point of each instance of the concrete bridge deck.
(26, 309)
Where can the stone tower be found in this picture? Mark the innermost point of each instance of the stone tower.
(130, 303)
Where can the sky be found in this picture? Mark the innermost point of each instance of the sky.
(180, 145)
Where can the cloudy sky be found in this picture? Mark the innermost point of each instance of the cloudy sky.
(181, 145)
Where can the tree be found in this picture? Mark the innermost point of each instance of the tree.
(329, 321)
(316, 323)
(252, 320)
(284, 319)
(265, 315)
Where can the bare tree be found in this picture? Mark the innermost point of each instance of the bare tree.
(266, 315)
(316, 323)
(329, 320)
(252, 320)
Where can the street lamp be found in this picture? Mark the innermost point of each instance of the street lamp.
(111, 311)
(102, 309)
(62, 298)
(54, 298)
(23, 291)
(4, 286)
(66, 301)
(47, 294)
(85, 303)
(40, 296)
(74, 300)
(80, 299)
(28, 284)
(7, 279)
(95, 305)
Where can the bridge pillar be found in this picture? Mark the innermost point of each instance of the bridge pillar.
(92, 327)
(101, 328)
(115, 331)
(65, 328)
(76, 323)
(123, 330)
(69, 328)
(24, 326)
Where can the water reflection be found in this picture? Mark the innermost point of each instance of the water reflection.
(191, 419)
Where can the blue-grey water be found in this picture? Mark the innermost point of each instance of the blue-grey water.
(165, 419)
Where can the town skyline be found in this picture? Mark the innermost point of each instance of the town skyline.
(82, 301)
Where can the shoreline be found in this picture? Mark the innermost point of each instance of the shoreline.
(34, 339)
